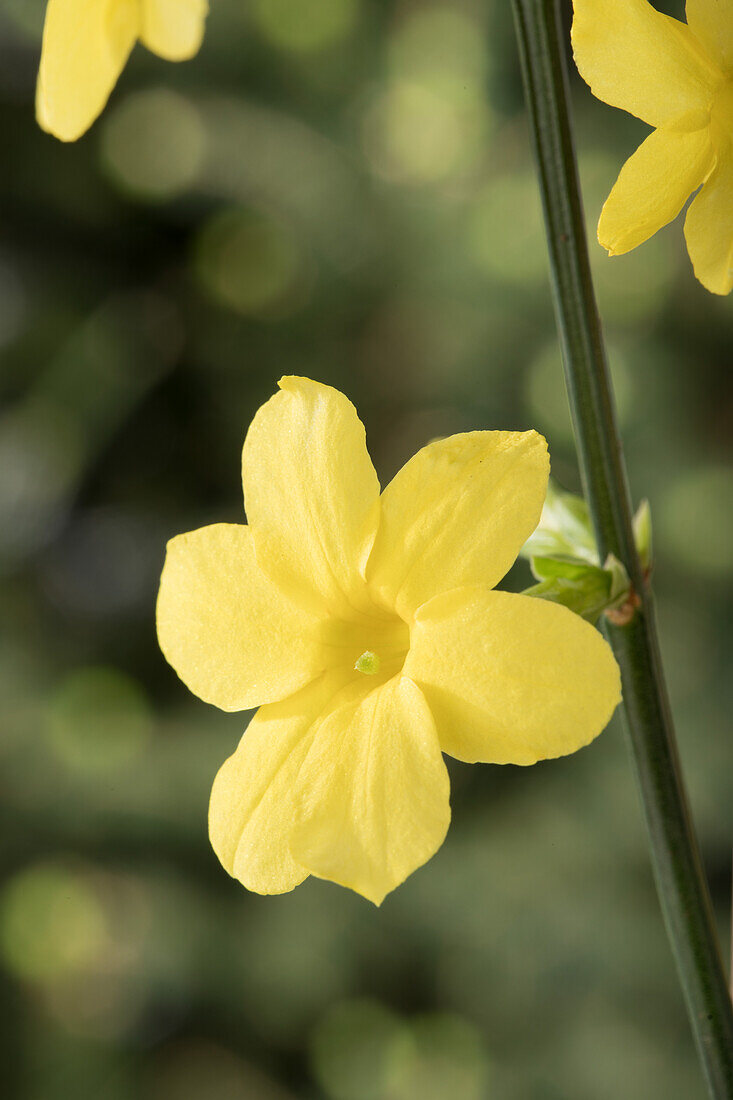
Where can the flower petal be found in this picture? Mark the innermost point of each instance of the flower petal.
(173, 28)
(712, 22)
(373, 792)
(85, 46)
(511, 679)
(653, 187)
(709, 230)
(228, 631)
(457, 513)
(642, 61)
(311, 494)
(251, 807)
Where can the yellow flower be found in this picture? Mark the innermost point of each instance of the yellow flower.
(86, 44)
(366, 629)
(678, 78)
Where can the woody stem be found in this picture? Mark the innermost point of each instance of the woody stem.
(680, 880)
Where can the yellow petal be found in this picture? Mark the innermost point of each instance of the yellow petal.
(511, 679)
(642, 61)
(311, 494)
(252, 800)
(653, 187)
(709, 230)
(173, 28)
(712, 22)
(372, 792)
(85, 46)
(457, 513)
(228, 631)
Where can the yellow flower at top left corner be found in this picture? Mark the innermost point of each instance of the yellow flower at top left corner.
(366, 628)
(86, 44)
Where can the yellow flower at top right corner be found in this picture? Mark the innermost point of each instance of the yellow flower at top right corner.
(678, 78)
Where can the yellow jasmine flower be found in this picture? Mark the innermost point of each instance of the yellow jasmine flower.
(366, 629)
(86, 44)
(678, 78)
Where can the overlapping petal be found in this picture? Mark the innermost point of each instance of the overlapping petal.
(712, 23)
(231, 635)
(311, 495)
(644, 62)
(653, 186)
(457, 513)
(709, 230)
(511, 679)
(338, 781)
(85, 46)
(252, 800)
(372, 801)
(173, 29)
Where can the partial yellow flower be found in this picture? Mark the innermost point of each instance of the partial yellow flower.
(86, 44)
(678, 78)
(366, 630)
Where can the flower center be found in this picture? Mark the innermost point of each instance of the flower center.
(369, 663)
(371, 645)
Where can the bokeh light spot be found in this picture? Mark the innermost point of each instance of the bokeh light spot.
(696, 520)
(357, 1051)
(437, 43)
(99, 720)
(305, 28)
(154, 143)
(363, 1051)
(431, 121)
(505, 232)
(418, 134)
(248, 261)
(51, 924)
(447, 1060)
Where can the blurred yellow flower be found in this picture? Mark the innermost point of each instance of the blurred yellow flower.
(678, 78)
(366, 629)
(86, 44)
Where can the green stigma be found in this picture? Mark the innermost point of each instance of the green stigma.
(368, 663)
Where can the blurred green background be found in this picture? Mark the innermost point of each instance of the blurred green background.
(340, 189)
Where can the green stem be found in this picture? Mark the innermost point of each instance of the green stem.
(676, 861)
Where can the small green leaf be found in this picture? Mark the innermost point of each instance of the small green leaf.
(564, 560)
(564, 529)
(643, 533)
(570, 569)
(620, 585)
(587, 590)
